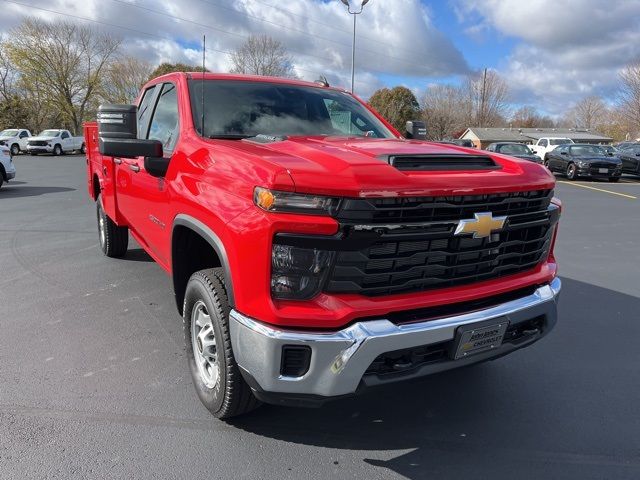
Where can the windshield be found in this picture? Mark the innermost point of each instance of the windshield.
(238, 109)
(9, 133)
(49, 133)
(583, 150)
(608, 149)
(518, 149)
(559, 141)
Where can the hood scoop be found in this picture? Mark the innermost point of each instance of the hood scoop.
(440, 162)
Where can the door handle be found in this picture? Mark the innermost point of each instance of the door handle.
(117, 161)
(134, 167)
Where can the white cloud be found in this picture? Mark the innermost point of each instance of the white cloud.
(396, 38)
(568, 49)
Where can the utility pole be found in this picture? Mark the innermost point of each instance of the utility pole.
(481, 113)
(355, 14)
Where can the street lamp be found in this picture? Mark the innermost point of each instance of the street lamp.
(355, 14)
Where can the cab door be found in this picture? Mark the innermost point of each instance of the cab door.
(125, 169)
(151, 214)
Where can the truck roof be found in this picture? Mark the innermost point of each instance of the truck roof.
(242, 78)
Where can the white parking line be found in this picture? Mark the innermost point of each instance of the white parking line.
(631, 197)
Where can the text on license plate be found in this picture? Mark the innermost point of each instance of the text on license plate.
(477, 338)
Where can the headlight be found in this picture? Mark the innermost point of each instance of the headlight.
(582, 163)
(273, 201)
(298, 273)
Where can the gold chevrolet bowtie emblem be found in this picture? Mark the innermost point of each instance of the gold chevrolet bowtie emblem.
(482, 226)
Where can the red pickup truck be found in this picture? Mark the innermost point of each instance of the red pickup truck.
(316, 252)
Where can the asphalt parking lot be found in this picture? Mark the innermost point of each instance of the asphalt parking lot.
(94, 381)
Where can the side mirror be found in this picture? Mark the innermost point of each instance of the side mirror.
(416, 130)
(118, 137)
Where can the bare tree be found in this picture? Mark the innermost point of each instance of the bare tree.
(445, 111)
(629, 96)
(66, 60)
(488, 95)
(262, 55)
(590, 112)
(528, 117)
(124, 78)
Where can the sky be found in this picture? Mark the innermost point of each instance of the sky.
(552, 53)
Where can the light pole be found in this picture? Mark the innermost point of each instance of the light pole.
(355, 14)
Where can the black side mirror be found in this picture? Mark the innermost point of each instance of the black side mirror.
(118, 137)
(156, 166)
(416, 130)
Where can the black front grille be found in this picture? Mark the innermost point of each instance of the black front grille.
(594, 168)
(428, 209)
(38, 143)
(421, 257)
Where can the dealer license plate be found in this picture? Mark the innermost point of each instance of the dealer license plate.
(479, 337)
(603, 170)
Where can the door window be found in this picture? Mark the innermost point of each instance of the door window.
(164, 123)
(23, 134)
(144, 112)
(64, 135)
(543, 143)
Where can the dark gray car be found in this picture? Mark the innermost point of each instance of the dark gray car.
(584, 160)
(630, 157)
(514, 149)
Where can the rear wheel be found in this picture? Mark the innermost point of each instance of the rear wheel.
(57, 150)
(83, 149)
(571, 171)
(114, 240)
(1, 179)
(15, 149)
(214, 371)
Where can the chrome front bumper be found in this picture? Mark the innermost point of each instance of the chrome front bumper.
(340, 359)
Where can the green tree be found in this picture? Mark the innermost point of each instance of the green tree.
(398, 105)
(165, 68)
(65, 62)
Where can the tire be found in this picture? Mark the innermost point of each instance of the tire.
(614, 179)
(545, 162)
(83, 149)
(57, 150)
(571, 171)
(15, 149)
(1, 179)
(214, 371)
(114, 240)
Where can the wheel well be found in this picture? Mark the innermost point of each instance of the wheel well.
(190, 253)
(96, 186)
(3, 173)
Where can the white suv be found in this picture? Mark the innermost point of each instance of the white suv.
(7, 169)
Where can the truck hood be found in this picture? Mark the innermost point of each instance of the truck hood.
(4, 139)
(46, 139)
(598, 159)
(358, 167)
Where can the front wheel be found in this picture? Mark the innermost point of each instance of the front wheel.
(114, 240)
(214, 371)
(545, 162)
(57, 150)
(571, 171)
(83, 149)
(15, 149)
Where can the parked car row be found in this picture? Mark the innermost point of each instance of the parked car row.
(55, 141)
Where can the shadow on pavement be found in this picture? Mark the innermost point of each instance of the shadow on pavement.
(137, 255)
(543, 412)
(14, 190)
